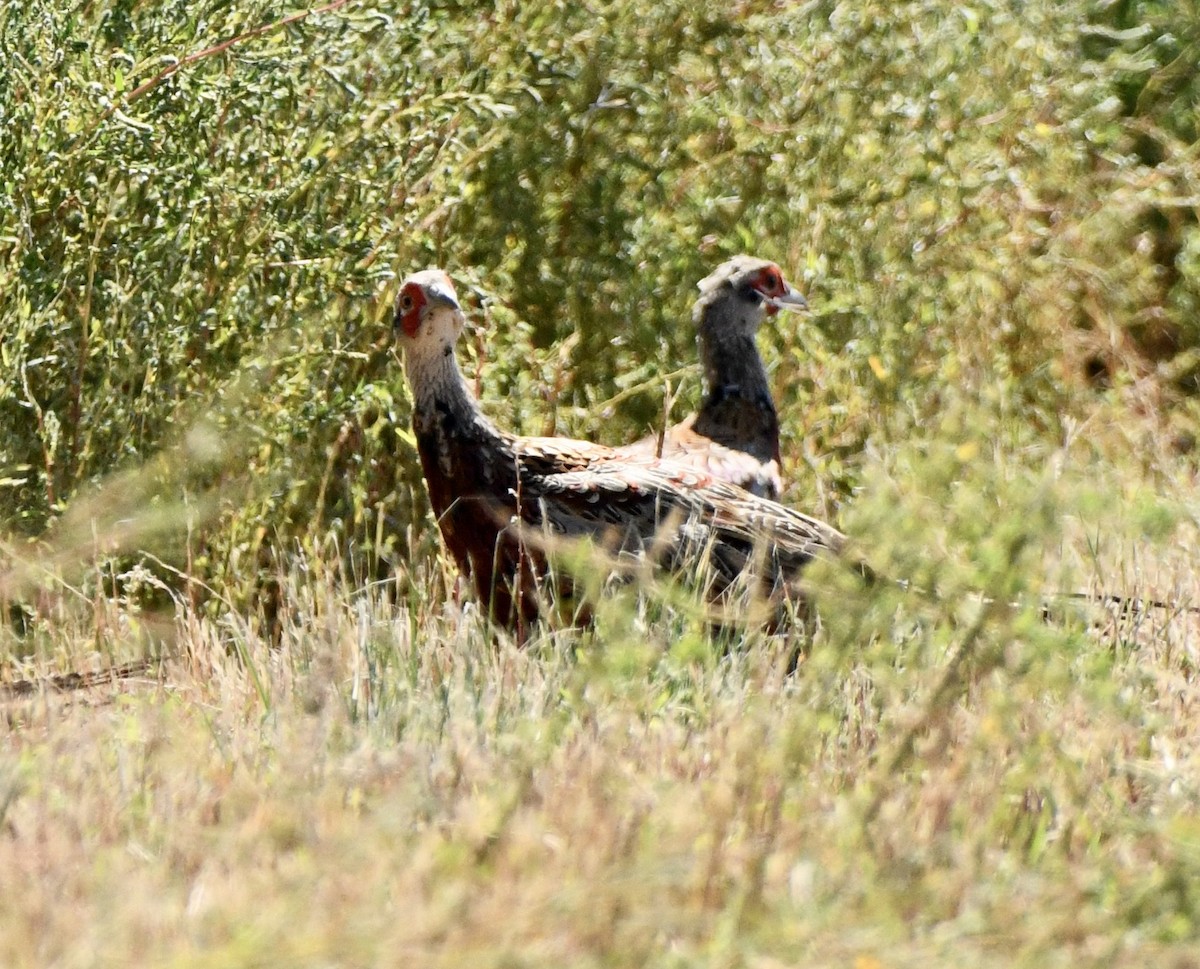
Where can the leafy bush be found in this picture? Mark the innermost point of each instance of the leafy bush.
(205, 207)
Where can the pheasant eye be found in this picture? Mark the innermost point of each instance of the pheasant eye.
(406, 303)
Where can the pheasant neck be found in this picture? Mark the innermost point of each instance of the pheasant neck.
(461, 450)
(734, 371)
(439, 388)
(737, 410)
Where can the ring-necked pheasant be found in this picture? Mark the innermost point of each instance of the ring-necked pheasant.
(735, 434)
(498, 496)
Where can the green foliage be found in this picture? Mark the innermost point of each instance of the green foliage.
(1147, 53)
(985, 207)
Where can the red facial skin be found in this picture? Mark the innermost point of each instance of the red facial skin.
(770, 283)
(408, 308)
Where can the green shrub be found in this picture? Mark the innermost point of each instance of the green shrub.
(988, 208)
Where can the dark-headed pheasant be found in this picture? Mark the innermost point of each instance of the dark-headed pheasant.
(735, 434)
(500, 498)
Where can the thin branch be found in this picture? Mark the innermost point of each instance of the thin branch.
(220, 48)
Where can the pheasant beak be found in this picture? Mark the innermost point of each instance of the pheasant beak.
(789, 300)
(443, 294)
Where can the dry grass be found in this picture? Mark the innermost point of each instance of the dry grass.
(395, 787)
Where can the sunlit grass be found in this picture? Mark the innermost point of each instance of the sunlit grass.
(944, 776)
(376, 783)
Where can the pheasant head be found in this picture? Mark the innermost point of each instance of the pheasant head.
(740, 293)
(428, 316)
(428, 322)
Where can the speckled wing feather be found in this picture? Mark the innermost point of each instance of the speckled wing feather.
(552, 455)
(684, 445)
(683, 514)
